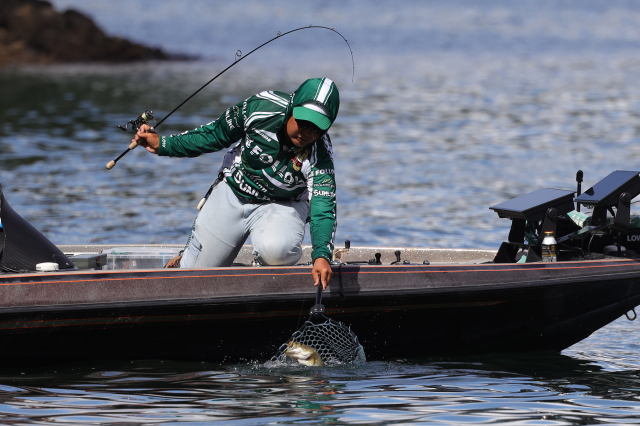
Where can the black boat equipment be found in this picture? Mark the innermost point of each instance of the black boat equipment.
(238, 58)
(553, 210)
(23, 247)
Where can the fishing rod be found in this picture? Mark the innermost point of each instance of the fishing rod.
(147, 116)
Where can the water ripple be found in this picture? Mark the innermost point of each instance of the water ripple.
(496, 389)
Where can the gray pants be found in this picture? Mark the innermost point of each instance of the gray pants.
(225, 222)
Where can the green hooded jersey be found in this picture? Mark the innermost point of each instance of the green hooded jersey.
(261, 168)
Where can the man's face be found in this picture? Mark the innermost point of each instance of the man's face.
(302, 133)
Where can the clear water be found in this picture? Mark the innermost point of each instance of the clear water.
(454, 106)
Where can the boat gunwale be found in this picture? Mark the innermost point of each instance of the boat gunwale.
(450, 267)
(332, 293)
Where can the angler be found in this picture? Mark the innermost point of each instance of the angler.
(254, 197)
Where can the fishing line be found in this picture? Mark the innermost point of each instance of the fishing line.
(239, 57)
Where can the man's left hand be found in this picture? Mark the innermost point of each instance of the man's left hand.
(321, 272)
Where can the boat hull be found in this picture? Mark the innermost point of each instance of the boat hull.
(246, 313)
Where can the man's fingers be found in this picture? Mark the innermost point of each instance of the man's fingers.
(321, 273)
(323, 276)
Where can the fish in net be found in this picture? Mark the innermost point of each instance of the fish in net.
(321, 340)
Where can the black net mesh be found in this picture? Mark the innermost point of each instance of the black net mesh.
(334, 342)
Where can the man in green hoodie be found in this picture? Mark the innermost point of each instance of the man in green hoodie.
(277, 173)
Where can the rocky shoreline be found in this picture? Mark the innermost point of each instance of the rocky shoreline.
(32, 32)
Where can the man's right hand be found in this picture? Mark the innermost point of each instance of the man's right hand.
(147, 139)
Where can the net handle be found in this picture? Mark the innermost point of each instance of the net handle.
(318, 308)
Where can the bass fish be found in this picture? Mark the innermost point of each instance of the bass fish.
(304, 354)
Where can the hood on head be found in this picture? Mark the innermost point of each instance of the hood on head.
(320, 94)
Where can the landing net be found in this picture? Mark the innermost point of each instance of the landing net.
(334, 342)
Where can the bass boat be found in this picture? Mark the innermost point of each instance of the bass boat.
(532, 293)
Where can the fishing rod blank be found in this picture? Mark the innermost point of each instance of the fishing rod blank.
(148, 115)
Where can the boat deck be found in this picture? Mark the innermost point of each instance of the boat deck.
(354, 254)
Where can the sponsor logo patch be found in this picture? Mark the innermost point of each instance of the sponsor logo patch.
(298, 159)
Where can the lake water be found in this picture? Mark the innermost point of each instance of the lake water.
(453, 107)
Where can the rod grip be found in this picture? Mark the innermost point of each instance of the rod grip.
(133, 144)
(111, 164)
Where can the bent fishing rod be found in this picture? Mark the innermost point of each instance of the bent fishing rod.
(147, 116)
